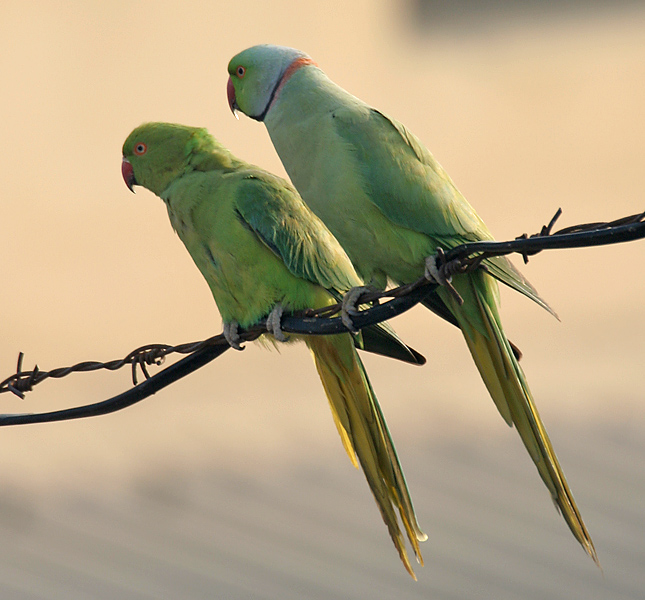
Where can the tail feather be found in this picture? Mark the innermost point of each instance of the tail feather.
(507, 385)
(365, 436)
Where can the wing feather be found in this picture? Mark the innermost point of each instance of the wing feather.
(274, 211)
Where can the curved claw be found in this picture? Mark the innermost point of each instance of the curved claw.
(349, 305)
(437, 274)
(273, 323)
(231, 335)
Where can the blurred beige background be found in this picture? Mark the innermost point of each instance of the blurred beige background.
(232, 483)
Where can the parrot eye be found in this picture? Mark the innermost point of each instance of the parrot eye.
(140, 149)
(241, 71)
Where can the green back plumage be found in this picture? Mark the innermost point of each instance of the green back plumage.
(418, 194)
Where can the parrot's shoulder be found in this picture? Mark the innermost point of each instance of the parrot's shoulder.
(405, 136)
(272, 208)
(256, 178)
(350, 114)
(258, 190)
(363, 124)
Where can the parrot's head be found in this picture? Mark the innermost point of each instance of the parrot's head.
(155, 154)
(256, 76)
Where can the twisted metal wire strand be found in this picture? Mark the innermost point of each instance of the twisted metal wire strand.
(460, 259)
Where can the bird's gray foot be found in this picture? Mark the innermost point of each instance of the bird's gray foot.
(433, 271)
(436, 272)
(349, 305)
(231, 335)
(273, 323)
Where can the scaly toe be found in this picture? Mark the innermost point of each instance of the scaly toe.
(349, 305)
(437, 275)
(231, 335)
(273, 323)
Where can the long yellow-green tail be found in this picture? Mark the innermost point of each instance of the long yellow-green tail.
(504, 378)
(365, 435)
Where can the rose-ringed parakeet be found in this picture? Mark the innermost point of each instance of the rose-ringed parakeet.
(392, 206)
(260, 250)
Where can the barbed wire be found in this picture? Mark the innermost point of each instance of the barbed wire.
(463, 258)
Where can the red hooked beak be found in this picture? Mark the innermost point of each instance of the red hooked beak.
(230, 92)
(128, 174)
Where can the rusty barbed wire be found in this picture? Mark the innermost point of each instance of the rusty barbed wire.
(151, 354)
(461, 259)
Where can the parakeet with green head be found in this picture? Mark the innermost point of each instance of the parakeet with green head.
(261, 250)
(391, 206)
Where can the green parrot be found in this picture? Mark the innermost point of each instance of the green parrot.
(392, 207)
(261, 250)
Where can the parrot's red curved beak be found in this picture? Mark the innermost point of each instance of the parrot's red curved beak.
(232, 102)
(128, 174)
